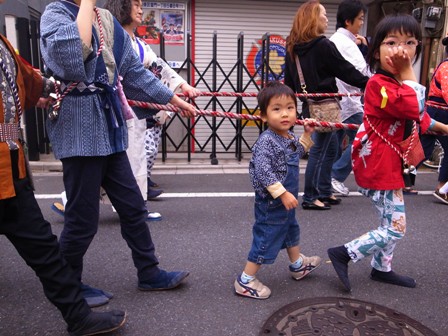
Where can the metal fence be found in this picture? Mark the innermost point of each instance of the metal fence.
(179, 134)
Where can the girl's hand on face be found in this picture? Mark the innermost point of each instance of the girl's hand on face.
(398, 59)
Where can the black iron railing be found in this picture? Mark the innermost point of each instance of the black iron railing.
(218, 135)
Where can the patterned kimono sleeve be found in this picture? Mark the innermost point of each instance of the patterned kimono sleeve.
(61, 45)
(138, 83)
(30, 83)
(395, 101)
(420, 91)
(442, 75)
(169, 77)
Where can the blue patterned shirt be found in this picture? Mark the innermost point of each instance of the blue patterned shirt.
(268, 165)
(82, 126)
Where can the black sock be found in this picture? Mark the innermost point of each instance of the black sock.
(392, 278)
(339, 258)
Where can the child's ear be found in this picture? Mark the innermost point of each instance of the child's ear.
(264, 118)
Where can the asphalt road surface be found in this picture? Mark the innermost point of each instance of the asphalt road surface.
(206, 229)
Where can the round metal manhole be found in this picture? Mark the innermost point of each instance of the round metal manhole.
(333, 316)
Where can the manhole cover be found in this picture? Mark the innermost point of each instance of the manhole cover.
(332, 316)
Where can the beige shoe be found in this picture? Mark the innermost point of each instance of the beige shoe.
(254, 289)
(309, 264)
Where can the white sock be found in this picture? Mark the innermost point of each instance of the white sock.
(245, 278)
(297, 264)
(64, 198)
(444, 189)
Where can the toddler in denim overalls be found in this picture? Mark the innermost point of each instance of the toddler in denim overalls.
(274, 172)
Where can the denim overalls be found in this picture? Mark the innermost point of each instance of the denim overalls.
(276, 228)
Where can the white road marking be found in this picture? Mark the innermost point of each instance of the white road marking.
(212, 194)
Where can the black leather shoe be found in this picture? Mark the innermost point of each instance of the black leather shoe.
(312, 206)
(330, 200)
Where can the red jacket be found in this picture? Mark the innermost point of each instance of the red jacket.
(388, 104)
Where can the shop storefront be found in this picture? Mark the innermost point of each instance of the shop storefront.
(218, 46)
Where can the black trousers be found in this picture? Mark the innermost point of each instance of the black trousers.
(21, 221)
(83, 177)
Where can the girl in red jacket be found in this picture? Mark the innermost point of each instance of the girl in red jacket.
(394, 100)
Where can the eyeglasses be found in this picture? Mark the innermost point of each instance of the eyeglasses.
(406, 44)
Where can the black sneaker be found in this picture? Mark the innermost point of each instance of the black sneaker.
(164, 281)
(152, 184)
(393, 278)
(98, 323)
(153, 193)
(95, 297)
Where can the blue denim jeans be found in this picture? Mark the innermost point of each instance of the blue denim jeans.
(429, 140)
(343, 165)
(318, 169)
(275, 227)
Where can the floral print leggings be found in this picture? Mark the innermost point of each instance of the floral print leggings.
(152, 140)
(381, 242)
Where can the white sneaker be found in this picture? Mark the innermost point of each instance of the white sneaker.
(254, 289)
(339, 187)
(153, 216)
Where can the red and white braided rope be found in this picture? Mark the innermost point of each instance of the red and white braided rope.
(59, 96)
(400, 154)
(255, 94)
(172, 108)
(442, 107)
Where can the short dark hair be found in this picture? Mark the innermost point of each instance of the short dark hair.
(121, 9)
(271, 90)
(445, 43)
(403, 23)
(349, 10)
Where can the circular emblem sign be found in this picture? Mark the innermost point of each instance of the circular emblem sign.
(277, 53)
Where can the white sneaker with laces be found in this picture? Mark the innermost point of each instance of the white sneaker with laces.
(339, 187)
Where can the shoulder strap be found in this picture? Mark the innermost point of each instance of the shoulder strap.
(299, 71)
(140, 49)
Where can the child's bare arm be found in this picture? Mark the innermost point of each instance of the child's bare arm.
(440, 127)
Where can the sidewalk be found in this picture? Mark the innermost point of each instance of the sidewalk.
(176, 163)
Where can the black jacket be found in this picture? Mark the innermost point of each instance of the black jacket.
(321, 63)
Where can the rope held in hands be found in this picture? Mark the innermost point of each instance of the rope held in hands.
(237, 116)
